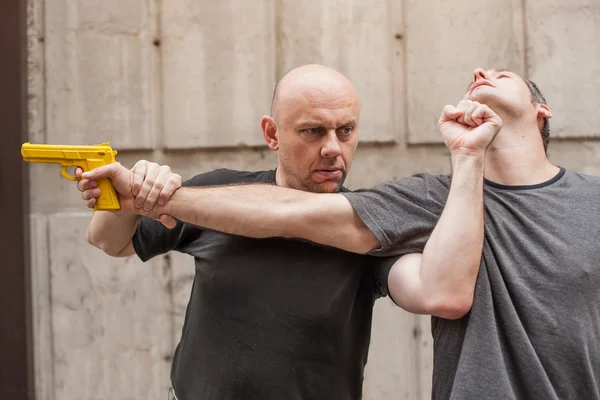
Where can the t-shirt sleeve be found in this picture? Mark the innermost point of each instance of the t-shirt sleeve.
(381, 267)
(152, 238)
(401, 213)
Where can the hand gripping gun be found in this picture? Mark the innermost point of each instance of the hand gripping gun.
(84, 157)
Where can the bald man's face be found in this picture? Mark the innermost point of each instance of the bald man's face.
(317, 131)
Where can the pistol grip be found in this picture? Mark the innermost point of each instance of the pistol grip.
(108, 200)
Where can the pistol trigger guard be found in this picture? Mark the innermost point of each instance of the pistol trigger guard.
(64, 173)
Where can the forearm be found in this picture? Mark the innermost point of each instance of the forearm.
(111, 232)
(441, 281)
(452, 255)
(263, 211)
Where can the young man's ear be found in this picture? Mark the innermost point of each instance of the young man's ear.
(544, 111)
(270, 132)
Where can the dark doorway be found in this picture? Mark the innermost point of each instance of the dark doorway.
(16, 360)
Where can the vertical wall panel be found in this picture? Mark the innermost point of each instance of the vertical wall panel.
(446, 40)
(391, 372)
(564, 60)
(100, 72)
(110, 319)
(218, 71)
(42, 309)
(358, 38)
(35, 71)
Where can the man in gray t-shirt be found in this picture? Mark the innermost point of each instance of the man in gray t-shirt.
(533, 327)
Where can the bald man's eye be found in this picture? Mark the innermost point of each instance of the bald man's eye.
(346, 130)
(313, 131)
(502, 76)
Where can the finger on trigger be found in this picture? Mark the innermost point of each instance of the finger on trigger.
(91, 203)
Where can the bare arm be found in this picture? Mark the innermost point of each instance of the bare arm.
(442, 281)
(112, 232)
(262, 211)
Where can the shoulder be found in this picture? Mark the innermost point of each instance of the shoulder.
(581, 177)
(422, 183)
(225, 176)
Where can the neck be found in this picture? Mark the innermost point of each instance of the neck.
(517, 157)
(279, 177)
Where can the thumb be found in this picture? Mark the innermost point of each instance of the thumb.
(449, 113)
(105, 171)
(168, 221)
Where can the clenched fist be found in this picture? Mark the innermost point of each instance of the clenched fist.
(469, 128)
(139, 189)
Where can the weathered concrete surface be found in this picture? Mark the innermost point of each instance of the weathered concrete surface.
(218, 71)
(445, 41)
(357, 38)
(100, 72)
(563, 58)
(110, 318)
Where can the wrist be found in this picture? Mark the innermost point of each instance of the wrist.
(469, 156)
(473, 161)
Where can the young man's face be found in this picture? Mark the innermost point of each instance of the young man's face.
(502, 90)
(318, 135)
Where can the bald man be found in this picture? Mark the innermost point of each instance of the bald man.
(277, 318)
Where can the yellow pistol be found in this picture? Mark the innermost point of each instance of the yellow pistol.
(85, 157)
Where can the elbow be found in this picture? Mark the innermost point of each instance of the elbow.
(452, 307)
(101, 245)
(90, 238)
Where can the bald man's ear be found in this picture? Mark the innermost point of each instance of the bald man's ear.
(270, 132)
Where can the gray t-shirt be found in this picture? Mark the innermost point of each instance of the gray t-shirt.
(534, 329)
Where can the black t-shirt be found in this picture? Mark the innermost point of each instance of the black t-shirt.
(533, 331)
(268, 318)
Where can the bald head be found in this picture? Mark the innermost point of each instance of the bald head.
(311, 83)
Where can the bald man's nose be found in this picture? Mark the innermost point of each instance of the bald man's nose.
(331, 148)
(479, 73)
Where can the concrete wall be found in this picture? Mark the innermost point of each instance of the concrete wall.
(184, 82)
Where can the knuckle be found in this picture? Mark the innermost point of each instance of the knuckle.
(174, 179)
(163, 196)
(151, 199)
(148, 182)
(159, 185)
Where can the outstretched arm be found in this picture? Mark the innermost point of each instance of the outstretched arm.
(260, 211)
(442, 281)
(271, 211)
